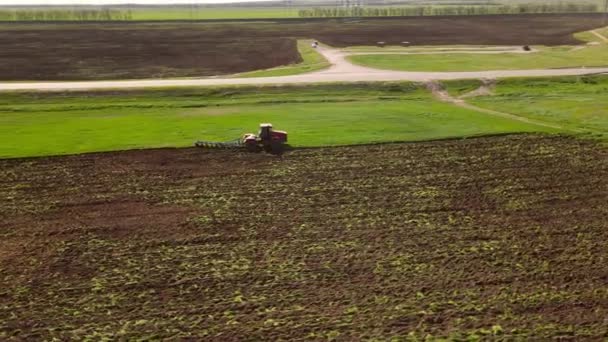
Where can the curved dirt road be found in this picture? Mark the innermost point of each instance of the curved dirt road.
(340, 71)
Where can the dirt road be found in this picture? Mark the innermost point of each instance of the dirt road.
(340, 71)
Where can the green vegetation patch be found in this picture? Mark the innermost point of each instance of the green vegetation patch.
(67, 123)
(203, 13)
(579, 103)
(142, 13)
(545, 58)
(312, 60)
(459, 88)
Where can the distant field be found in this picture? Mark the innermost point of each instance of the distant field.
(119, 51)
(142, 13)
(546, 57)
(51, 124)
(304, 10)
(102, 53)
(213, 13)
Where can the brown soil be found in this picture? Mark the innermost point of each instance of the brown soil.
(117, 51)
(86, 53)
(490, 236)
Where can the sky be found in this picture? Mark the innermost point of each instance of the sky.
(104, 2)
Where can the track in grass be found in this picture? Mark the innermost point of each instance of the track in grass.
(578, 104)
(490, 236)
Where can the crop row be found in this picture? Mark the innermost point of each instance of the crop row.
(463, 239)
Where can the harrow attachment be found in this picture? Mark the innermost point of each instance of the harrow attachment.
(232, 144)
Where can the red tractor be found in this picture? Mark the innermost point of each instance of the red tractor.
(267, 140)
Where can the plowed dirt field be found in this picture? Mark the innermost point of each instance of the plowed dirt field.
(490, 236)
(194, 49)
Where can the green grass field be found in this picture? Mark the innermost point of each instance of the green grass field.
(144, 14)
(578, 103)
(545, 58)
(194, 12)
(312, 60)
(68, 123)
(53, 124)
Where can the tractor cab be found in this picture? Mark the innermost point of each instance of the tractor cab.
(267, 139)
(267, 134)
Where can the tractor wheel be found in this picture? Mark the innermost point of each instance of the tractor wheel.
(254, 148)
(277, 148)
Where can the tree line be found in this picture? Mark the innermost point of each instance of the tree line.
(65, 15)
(327, 12)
